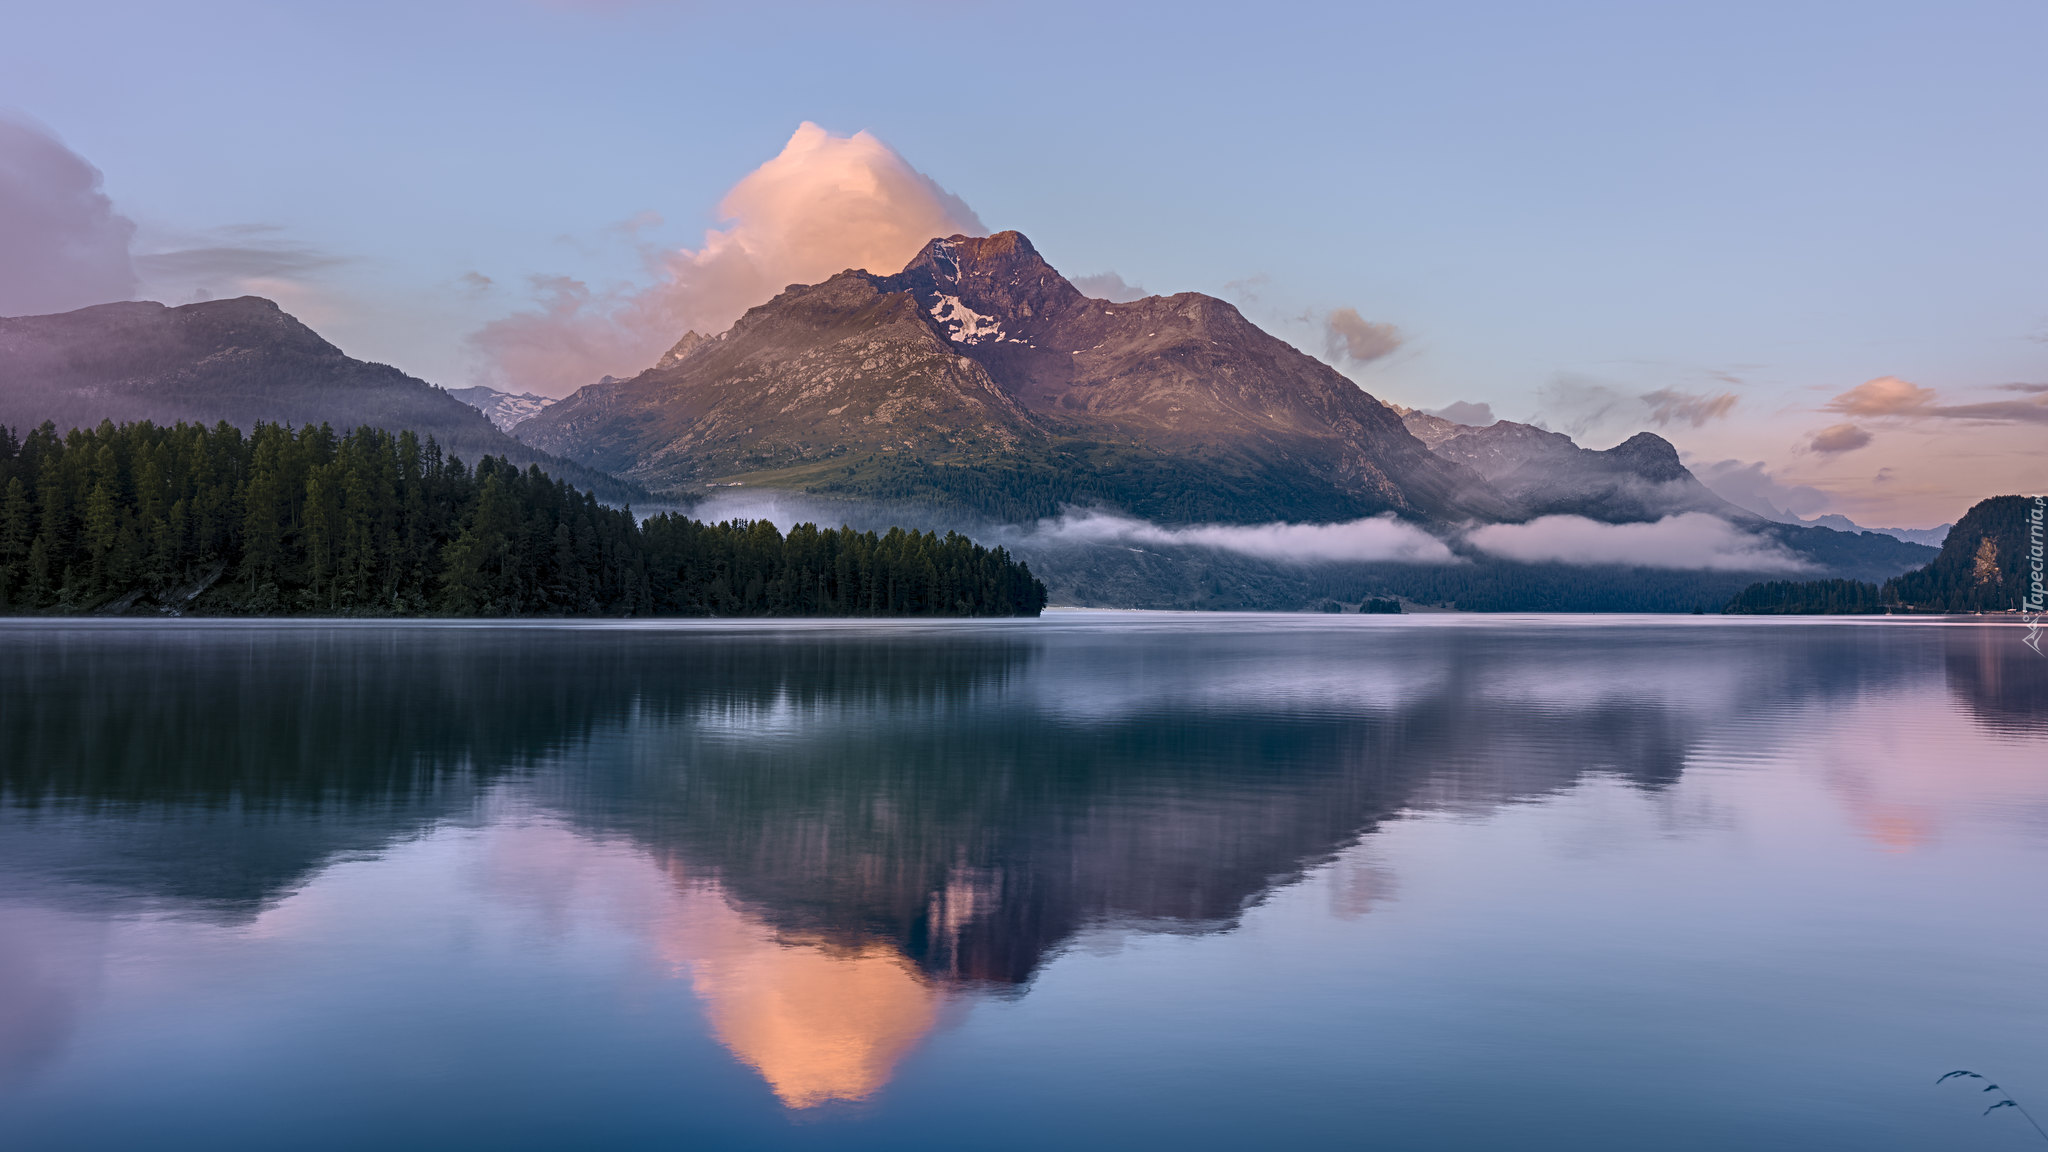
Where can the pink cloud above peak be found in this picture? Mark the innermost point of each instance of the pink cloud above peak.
(824, 204)
(1884, 396)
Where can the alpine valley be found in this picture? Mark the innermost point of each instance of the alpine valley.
(1131, 451)
(978, 388)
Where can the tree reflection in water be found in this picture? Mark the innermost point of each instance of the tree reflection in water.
(836, 832)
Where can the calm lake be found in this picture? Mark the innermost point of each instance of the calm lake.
(1100, 880)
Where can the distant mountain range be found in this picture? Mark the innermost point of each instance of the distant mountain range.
(1640, 479)
(978, 385)
(242, 361)
(980, 380)
(504, 409)
(1932, 537)
(1545, 474)
(975, 389)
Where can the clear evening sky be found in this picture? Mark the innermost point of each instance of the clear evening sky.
(1833, 214)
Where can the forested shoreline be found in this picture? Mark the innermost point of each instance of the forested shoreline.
(208, 521)
(1984, 566)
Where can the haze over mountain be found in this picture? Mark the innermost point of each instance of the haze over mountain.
(1641, 478)
(243, 361)
(1545, 473)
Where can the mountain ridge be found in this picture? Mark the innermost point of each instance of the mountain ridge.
(242, 360)
(1547, 474)
(842, 386)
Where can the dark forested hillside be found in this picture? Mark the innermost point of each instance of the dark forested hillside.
(196, 520)
(1984, 566)
(1984, 563)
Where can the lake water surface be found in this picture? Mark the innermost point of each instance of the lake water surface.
(1091, 881)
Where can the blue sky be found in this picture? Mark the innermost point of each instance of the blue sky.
(1562, 207)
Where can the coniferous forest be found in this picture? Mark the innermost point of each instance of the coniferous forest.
(1984, 566)
(209, 521)
(1809, 597)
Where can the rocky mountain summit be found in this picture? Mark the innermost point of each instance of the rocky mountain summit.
(979, 377)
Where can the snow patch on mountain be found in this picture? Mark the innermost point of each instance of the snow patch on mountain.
(964, 324)
(504, 409)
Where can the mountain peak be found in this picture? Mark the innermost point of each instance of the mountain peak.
(691, 341)
(951, 257)
(998, 275)
(1650, 456)
(1008, 242)
(979, 355)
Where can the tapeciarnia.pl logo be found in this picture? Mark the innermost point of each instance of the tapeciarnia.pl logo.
(2033, 603)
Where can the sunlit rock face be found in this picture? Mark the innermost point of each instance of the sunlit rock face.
(819, 1023)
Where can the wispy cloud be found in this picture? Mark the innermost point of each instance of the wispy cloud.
(1749, 484)
(1108, 286)
(1580, 405)
(1670, 406)
(1466, 412)
(1351, 338)
(1577, 404)
(1375, 538)
(1889, 396)
(1690, 540)
(1247, 291)
(228, 261)
(1997, 411)
(1837, 439)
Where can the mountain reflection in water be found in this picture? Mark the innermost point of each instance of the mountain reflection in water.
(835, 833)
